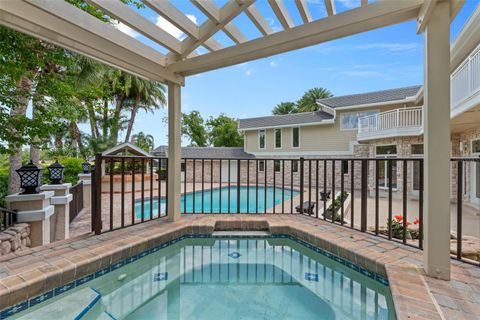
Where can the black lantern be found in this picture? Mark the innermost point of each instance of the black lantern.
(56, 173)
(86, 167)
(29, 177)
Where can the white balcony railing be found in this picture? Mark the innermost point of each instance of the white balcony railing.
(398, 122)
(465, 80)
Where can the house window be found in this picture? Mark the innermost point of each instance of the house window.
(278, 138)
(183, 166)
(349, 120)
(261, 166)
(276, 165)
(261, 139)
(384, 179)
(295, 165)
(476, 146)
(417, 149)
(344, 166)
(295, 137)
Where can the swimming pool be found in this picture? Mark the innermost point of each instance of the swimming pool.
(222, 200)
(225, 278)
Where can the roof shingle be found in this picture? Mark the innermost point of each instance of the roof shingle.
(284, 120)
(370, 97)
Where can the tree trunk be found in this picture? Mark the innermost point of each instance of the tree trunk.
(24, 85)
(34, 151)
(116, 122)
(131, 121)
(91, 119)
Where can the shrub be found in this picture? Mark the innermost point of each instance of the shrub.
(3, 188)
(73, 166)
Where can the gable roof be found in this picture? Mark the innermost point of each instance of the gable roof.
(284, 120)
(375, 97)
(206, 152)
(126, 146)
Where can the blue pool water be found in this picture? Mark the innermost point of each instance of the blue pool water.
(217, 200)
(226, 278)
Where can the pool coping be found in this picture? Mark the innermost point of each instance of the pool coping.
(93, 254)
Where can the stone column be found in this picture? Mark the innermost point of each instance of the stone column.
(60, 220)
(437, 143)
(174, 151)
(86, 179)
(36, 210)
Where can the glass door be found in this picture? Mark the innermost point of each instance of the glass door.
(383, 176)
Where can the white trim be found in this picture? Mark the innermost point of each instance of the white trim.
(123, 145)
(323, 122)
(303, 153)
(264, 139)
(299, 138)
(275, 138)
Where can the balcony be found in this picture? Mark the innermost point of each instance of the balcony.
(393, 123)
(465, 84)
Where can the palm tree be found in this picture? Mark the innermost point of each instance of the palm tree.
(145, 95)
(144, 141)
(307, 102)
(285, 108)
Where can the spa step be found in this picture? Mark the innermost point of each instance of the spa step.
(240, 234)
(74, 305)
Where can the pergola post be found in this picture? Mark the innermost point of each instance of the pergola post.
(174, 151)
(437, 143)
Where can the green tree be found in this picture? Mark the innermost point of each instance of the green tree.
(193, 127)
(307, 102)
(285, 108)
(144, 141)
(223, 132)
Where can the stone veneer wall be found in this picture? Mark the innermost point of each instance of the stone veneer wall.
(15, 238)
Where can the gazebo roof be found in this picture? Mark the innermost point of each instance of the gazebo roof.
(124, 148)
(68, 26)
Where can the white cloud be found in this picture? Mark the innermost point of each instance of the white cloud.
(361, 73)
(392, 47)
(249, 72)
(126, 29)
(171, 29)
(273, 64)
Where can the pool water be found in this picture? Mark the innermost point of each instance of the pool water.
(218, 278)
(217, 200)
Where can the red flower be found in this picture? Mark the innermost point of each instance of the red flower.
(416, 221)
(399, 218)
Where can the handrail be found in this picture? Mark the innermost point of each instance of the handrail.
(396, 118)
(7, 218)
(465, 80)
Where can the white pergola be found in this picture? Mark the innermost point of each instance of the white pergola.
(61, 23)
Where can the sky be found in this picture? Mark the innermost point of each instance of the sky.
(380, 59)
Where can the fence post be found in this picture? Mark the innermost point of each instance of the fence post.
(364, 194)
(97, 195)
(459, 207)
(301, 183)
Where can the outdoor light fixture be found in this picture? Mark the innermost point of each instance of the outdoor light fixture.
(56, 173)
(29, 178)
(86, 167)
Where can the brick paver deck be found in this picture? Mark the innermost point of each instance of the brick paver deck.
(36, 270)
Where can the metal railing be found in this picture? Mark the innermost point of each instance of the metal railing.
(465, 80)
(76, 205)
(7, 218)
(381, 196)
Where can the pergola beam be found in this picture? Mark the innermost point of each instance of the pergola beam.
(215, 14)
(375, 15)
(424, 14)
(364, 2)
(209, 27)
(303, 10)
(258, 20)
(282, 13)
(330, 6)
(176, 17)
(71, 28)
(123, 13)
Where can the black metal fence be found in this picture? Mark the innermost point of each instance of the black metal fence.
(76, 205)
(381, 196)
(7, 218)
